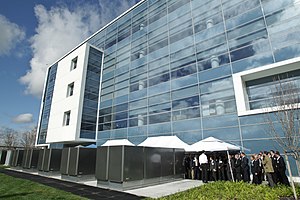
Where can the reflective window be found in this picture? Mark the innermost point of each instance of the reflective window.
(185, 92)
(186, 114)
(217, 97)
(66, 121)
(162, 117)
(160, 108)
(274, 90)
(184, 71)
(159, 98)
(185, 103)
(120, 124)
(74, 63)
(70, 89)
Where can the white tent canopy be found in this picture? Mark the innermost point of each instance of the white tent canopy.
(119, 142)
(165, 142)
(212, 144)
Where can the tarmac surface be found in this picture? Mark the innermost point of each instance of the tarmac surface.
(75, 188)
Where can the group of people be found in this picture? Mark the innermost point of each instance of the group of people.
(269, 166)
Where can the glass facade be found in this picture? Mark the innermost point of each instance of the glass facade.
(46, 106)
(168, 67)
(91, 95)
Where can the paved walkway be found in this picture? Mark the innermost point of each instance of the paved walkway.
(75, 188)
(165, 189)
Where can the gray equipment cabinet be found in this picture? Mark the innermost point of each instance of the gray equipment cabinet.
(49, 160)
(3, 157)
(17, 157)
(78, 161)
(30, 158)
(125, 167)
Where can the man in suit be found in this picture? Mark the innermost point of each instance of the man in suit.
(255, 169)
(280, 169)
(196, 168)
(221, 168)
(245, 168)
(274, 161)
(230, 168)
(238, 167)
(187, 167)
(213, 168)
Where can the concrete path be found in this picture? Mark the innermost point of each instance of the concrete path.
(166, 189)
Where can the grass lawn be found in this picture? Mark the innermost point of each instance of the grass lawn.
(14, 188)
(238, 191)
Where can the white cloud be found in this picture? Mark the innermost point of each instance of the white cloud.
(110, 9)
(11, 34)
(60, 29)
(23, 118)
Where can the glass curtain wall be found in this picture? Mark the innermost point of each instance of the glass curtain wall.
(168, 65)
(91, 95)
(47, 104)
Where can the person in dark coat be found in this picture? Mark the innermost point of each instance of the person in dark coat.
(196, 168)
(255, 170)
(187, 166)
(221, 169)
(280, 169)
(260, 159)
(213, 168)
(230, 168)
(238, 167)
(245, 168)
(274, 161)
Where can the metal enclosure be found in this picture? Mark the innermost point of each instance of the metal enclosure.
(49, 160)
(87, 161)
(64, 164)
(3, 157)
(78, 161)
(25, 155)
(101, 164)
(41, 159)
(13, 158)
(53, 163)
(30, 158)
(20, 157)
(17, 157)
(73, 161)
(131, 167)
(115, 164)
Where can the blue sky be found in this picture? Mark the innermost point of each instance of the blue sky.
(34, 34)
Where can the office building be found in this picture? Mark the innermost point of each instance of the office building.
(190, 68)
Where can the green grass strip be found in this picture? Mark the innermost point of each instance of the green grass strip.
(237, 191)
(15, 188)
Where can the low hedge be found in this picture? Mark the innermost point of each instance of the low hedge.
(234, 190)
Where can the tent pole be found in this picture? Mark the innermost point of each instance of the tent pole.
(230, 165)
